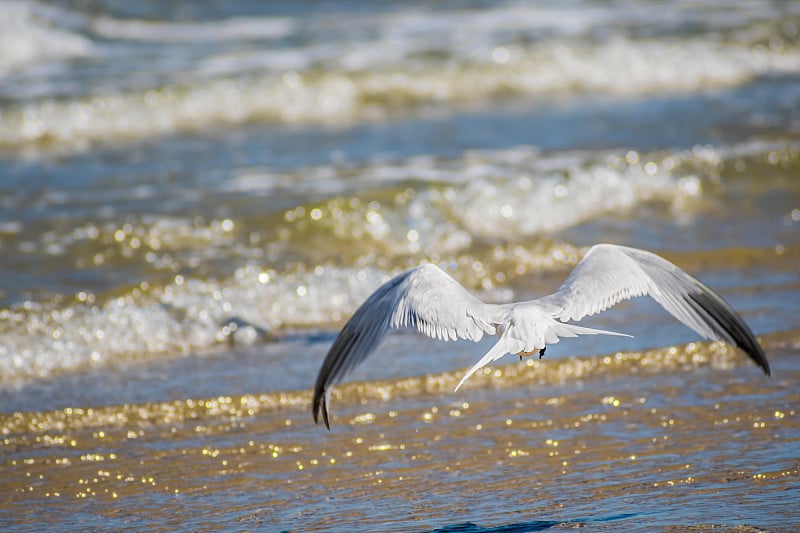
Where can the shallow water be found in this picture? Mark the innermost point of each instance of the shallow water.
(687, 436)
(194, 198)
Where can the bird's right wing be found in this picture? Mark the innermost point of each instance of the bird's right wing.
(609, 274)
(425, 298)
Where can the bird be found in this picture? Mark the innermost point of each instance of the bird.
(429, 300)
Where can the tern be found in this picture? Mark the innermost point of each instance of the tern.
(427, 299)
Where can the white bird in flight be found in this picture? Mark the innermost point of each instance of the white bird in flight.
(428, 299)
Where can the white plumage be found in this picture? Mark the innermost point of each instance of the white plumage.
(429, 300)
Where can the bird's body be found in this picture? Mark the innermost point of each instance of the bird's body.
(427, 299)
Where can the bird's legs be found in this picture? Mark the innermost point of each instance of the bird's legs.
(523, 354)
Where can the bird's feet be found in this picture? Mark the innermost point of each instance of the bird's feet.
(523, 354)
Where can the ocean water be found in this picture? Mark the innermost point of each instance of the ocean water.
(194, 197)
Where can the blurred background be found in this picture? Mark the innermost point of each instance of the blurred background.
(194, 197)
(179, 178)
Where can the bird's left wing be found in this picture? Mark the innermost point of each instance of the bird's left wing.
(609, 274)
(425, 298)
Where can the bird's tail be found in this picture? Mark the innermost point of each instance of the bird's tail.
(501, 347)
(571, 330)
(509, 344)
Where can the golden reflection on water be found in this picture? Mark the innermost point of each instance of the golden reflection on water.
(684, 357)
(523, 436)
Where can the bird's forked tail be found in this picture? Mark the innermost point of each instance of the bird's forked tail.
(508, 343)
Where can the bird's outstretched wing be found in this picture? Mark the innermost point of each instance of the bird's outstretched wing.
(425, 298)
(429, 300)
(609, 274)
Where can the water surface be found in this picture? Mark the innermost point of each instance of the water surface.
(194, 198)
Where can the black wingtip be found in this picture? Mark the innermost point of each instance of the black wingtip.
(756, 353)
(320, 406)
(761, 360)
(733, 325)
(325, 413)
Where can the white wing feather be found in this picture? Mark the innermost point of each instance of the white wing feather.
(424, 298)
(427, 299)
(609, 274)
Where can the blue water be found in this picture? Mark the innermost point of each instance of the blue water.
(170, 170)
